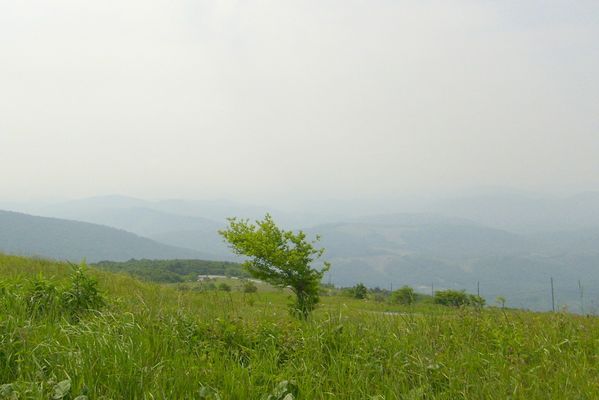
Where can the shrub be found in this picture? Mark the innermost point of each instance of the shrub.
(360, 291)
(476, 301)
(249, 287)
(404, 295)
(224, 287)
(452, 298)
(82, 294)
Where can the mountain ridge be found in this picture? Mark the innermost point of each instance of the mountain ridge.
(56, 238)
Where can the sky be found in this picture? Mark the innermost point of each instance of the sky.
(258, 100)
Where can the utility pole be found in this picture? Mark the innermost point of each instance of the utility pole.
(478, 288)
(391, 287)
(432, 289)
(552, 296)
(581, 297)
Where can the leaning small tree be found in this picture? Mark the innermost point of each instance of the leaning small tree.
(281, 258)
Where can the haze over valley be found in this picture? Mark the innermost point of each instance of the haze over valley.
(503, 244)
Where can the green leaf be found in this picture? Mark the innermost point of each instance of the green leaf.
(8, 392)
(61, 389)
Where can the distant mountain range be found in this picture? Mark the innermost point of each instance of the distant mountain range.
(180, 223)
(509, 247)
(525, 213)
(197, 233)
(425, 251)
(72, 240)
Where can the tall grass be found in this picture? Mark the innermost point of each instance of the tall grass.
(155, 342)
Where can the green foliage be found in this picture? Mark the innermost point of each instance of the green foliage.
(379, 297)
(346, 292)
(42, 297)
(156, 342)
(404, 295)
(249, 287)
(82, 294)
(281, 258)
(453, 298)
(476, 301)
(61, 389)
(173, 271)
(224, 287)
(285, 390)
(8, 392)
(458, 298)
(360, 291)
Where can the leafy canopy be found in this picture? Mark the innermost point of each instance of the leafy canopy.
(360, 291)
(404, 295)
(282, 258)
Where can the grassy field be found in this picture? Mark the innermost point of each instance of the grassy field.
(153, 341)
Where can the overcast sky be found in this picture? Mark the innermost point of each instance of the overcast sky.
(256, 100)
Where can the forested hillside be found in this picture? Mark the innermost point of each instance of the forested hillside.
(173, 270)
(72, 240)
(425, 250)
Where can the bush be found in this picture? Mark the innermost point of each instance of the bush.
(455, 298)
(477, 301)
(249, 287)
(360, 291)
(452, 298)
(82, 294)
(224, 287)
(404, 295)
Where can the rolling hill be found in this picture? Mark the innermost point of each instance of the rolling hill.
(427, 250)
(25, 234)
(419, 249)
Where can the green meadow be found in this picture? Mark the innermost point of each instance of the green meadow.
(105, 335)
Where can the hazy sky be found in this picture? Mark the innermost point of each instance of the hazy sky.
(278, 99)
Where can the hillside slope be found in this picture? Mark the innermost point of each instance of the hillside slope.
(425, 250)
(144, 340)
(72, 240)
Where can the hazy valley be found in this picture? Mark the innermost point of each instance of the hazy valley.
(461, 249)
